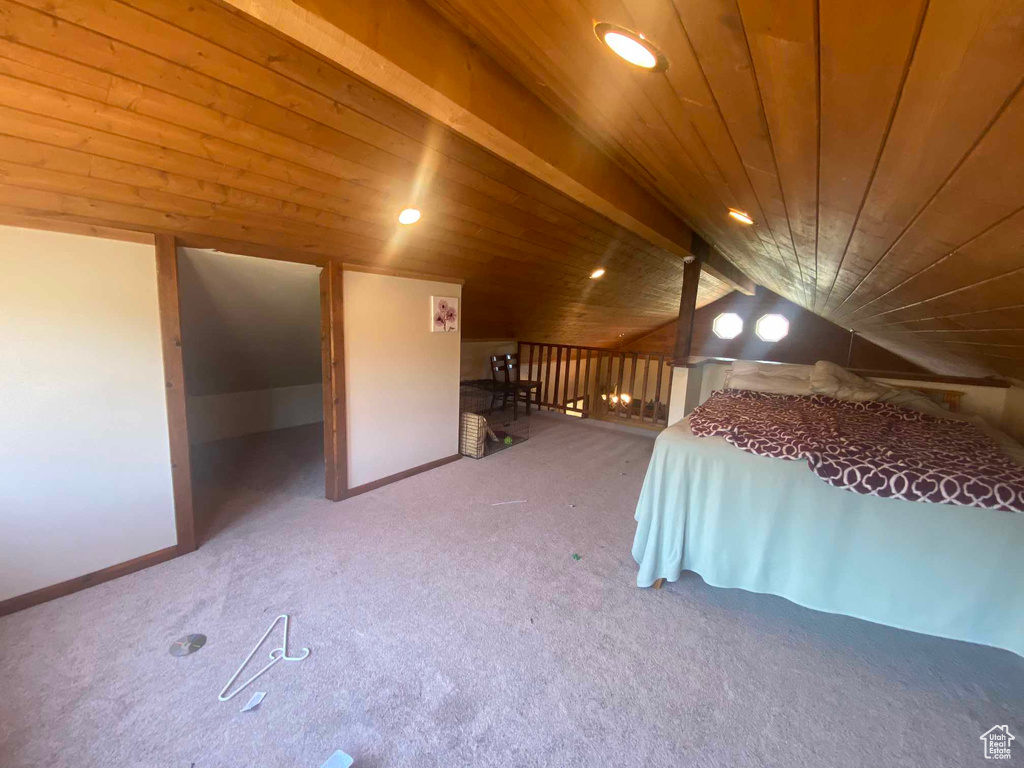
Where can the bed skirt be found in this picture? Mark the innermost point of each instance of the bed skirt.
(770, 525)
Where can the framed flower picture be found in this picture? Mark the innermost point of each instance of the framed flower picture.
(444, 314)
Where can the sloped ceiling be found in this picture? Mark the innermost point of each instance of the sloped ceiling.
(247, 323)
(184, 116)
(877, 144)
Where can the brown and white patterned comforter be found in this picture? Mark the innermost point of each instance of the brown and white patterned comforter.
(871, 448)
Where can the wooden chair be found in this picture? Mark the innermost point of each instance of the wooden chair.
(505, 374)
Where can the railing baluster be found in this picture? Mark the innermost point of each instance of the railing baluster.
(576, 380)
(558, 373)
(632, 385)
(657, 389)
(547, 379)
(568, 375)
(586, 388)
(622, 373)
(643, 393)
(668, 400)
(530, 366)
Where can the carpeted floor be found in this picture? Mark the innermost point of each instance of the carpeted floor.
(449, 632)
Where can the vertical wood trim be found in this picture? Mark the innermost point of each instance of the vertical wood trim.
(547, 380)
(558, 373)
(632, 386)
(529, 368)
(657, 389)
(668, 398)
(622, 373)
(643, 392)
(586, 386)
(169, 306)
(576, 381)
(332, 363)
(688, 299)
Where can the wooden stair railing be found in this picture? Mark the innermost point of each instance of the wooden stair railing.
(594, 382)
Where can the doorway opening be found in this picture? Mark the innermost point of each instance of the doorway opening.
(250, 331)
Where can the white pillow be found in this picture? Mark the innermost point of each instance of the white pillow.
(776, 378)
(835, 381)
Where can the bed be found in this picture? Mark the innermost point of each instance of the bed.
(771, 525)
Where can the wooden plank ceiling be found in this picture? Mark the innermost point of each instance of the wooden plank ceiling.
(185, 117)
(878, 145)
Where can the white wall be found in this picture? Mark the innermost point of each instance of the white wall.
(217, 417)
(1013, 415)
(85, 475)
(476, 356)
(251, 343)
(401, 380)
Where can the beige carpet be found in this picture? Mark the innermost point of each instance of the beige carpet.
(449, 632)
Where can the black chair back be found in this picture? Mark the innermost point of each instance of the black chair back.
(505, 368)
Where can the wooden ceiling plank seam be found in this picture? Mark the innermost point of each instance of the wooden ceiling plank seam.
(617, 232)
(775, 221)
(373, 118)
(694, 175)
(228, 212)
(757, 210)
(701, 225)
(961, 289)
(976, 215)
(967, 59)
(881, 151)
(864, 58)
(760, 80)
(524, 50)
(645, 244)
(178, 97)
(33, 163)
(228, 84)
(971, 313)
(1002, 109)
(22, 216)
(732, 138)
(669, 304)
(775, 161)
(200, 181)
(933, 265)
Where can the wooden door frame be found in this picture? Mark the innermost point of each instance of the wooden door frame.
(169, 302)
(332, 364)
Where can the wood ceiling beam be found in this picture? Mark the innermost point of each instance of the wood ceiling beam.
(411, 52)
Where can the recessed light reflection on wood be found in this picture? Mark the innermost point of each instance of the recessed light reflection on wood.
(741, 216)
(597, 273)
(409, 216)
(631, 46)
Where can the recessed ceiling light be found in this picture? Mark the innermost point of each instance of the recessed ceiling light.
(409, 216)
(632, 46)
(597, 273)
(741, 216)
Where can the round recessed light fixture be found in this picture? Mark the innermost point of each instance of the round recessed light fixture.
(409, 216)
(741, 216)
(597, 273)
(631, 46)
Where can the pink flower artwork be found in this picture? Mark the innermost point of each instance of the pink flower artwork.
(444, 314)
